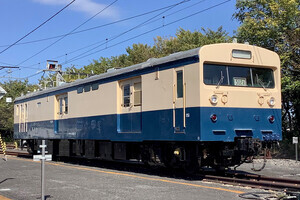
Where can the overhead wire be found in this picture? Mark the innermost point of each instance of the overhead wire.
(170, 6)
(177, 11)
(157, 28)
(69, 33)
(66, 35)
(146, 13)
(36, 27)
(92, 28)
(133, 28)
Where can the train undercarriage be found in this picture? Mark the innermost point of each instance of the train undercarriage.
(190, 156)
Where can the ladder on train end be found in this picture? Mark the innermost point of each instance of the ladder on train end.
(3, 148)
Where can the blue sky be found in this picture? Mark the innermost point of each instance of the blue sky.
(19, 17)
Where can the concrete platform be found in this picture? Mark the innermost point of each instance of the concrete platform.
(20, 179)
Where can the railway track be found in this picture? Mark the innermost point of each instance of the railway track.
(240, 179)
(13, 152)
(256, 181)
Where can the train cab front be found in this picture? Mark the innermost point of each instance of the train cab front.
(240, 100)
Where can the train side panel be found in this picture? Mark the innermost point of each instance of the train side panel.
(100, 114)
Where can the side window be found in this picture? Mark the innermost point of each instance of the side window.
(126, 95)
(17, 110)
(137, 94)
(179, 77)
(66, 105)
(21, 111)
(95, 86)
(26, 117)
(62, 104)
(87, 88)
(79, 90)
(26, 110)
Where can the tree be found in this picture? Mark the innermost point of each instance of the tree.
(14, 89)
(274, 24)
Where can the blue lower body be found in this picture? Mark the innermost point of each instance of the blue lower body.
(158, 126)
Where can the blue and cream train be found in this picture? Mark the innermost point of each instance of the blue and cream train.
(210, 106)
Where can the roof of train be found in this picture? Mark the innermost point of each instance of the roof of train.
(152, 62)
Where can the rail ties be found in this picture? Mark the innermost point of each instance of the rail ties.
(257, 181)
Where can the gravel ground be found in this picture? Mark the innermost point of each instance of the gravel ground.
(282, 168)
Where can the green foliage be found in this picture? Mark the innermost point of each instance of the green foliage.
(274, 24)
(138, 53)
(14, 89)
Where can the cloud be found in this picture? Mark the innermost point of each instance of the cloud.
(86, 6)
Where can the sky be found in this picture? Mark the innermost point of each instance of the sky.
(104, 35)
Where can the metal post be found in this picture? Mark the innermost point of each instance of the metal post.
(43, 170)
(296, 147)
(295, 141)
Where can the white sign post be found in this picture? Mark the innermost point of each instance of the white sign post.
(2, 92)
(295, 141)
(42, 158)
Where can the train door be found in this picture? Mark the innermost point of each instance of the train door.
(130, 118)
(23, 118)
(179, 101)
(61, 110)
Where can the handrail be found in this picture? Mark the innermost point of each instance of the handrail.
(184, 102)
(174, 105)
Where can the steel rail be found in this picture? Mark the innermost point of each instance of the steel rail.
(257, 181)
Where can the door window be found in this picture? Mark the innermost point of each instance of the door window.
(179, 76)
(126, 95)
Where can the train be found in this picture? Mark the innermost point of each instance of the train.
(213, 106)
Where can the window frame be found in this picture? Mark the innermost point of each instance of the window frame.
(179, 82)
(135, 91)
(126, 96)
(228, 76)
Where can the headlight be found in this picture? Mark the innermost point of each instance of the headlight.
(271, 101)
(214, 99)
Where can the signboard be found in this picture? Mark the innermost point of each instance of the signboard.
(40, 157)
(2, 92)
(239, 81)
(8, 99)
(295, 140)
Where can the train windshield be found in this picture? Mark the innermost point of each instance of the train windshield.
(238, 76)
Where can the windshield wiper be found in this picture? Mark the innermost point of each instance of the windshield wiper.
(260, 82)
(221, 80)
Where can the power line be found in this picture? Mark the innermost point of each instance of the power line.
(92, 28)
(175, 21)
(7, 67)
(113, 23)
(37, 27)
(135, 27)
(78, 58)
(127, 18)
(177, 11)
(68, 33)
